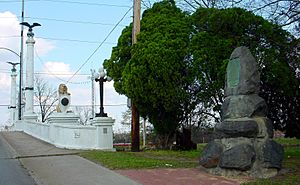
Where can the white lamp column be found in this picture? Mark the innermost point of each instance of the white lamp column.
(29, 114)
(13, 93)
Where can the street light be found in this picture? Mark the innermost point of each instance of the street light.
(101, 79)
(13, 89)
(20, 84)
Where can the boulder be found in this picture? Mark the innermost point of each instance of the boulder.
(265, 127)
(243, 127)
(242, 75)
(243, 106)
(211, 155)
(272, 154)
(240, 157)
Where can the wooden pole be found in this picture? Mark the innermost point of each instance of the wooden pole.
(135, 121)
(20, 98)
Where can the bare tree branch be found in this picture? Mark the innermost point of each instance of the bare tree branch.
(190, 4)
(45, 96)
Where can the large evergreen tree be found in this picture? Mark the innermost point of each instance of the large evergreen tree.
(179, 63)
(218, 32)
(154, 70)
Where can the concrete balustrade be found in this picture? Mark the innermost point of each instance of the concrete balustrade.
(71, 135)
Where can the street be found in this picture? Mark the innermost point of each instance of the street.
(11, 170)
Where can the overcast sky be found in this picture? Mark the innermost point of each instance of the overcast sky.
(71, 31)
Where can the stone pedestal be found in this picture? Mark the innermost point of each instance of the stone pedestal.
(30, 117)
(246, 146)
(104, 132)
(64, 118)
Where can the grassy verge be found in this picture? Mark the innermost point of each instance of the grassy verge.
(290, 174)
(144, 159)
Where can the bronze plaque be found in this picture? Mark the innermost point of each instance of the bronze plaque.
(233, 73)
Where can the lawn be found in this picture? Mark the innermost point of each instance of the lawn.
(144, 159)
(290, 174)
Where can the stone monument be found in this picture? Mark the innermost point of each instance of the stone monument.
(64, 99)
(63, 115)
(246, 146)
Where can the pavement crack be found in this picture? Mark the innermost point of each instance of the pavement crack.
(44, 155)
(5, 158)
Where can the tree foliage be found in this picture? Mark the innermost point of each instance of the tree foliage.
(285, 13)
(218, 32)
(176, 70)
(153, 71)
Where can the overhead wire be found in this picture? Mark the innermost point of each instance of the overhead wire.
(9, 36)
(65, 21)
(55, 75)
(75, 40)
(8, 71)
(100, 44)
(72, 21)
(59, 39)
(79, 22)
(69, 2)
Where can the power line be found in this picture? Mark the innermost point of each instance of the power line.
(61, 74)
(59, 39)
(9, 36)
(70, 2)
(72, 21)
(63, 80)
(7, 71)
(100, 44)
(75, 40)
(3, 105)
(88, 3)
(108, 105)
(65, 21)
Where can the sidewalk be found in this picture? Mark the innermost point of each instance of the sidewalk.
(170, 176)
(53, 166)
(49, 165)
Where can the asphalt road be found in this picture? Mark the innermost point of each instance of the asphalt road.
(11, 170)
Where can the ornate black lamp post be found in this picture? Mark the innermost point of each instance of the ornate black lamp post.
(101, 79)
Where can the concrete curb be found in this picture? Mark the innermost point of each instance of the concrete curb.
(49, 165)
(14, 153)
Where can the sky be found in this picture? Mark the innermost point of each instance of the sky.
(71, 31)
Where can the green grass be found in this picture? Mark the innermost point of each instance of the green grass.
(288, 141)
(172, 154)
(290, 175)
(146, 159)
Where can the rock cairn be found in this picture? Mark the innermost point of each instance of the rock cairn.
(246, 146)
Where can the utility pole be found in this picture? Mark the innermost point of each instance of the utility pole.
(93, 77)
(135, 117)
(20, 98)
(144, 133)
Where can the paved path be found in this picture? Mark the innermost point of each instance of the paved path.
(11, 170)
(185, 176)
(49, 165)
